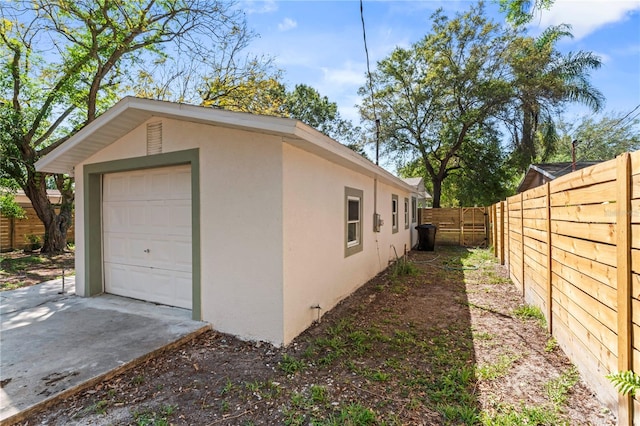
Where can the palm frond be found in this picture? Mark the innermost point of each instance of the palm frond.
(626, 382)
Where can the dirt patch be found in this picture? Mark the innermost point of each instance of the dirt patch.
(434, 341)
(19, 269)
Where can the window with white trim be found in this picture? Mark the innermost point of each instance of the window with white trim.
(394, 213)
(406, 213)
(353, 221)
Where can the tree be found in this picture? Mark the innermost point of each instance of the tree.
(521, 12)
(432, 97)
(66, 61)
(304, 103)
(485, 176)
(598, 140)
(545, 81)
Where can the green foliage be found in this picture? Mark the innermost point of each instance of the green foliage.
(10, 208)
(557, 390)
(597, 140)
(521, 12)
(626, 382)
(99, 48)
(545, 81)
(402, 267)
(551, 345)
(150, 417)
(432, 97)
(291, 365)
(304, 103)
(526, 312)
(508, 415)
(498, 369)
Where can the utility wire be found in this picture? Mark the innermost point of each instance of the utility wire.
(370, 78)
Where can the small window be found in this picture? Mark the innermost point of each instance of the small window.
(406, 213)
(414, 210)
(353, 221)
(394, 214)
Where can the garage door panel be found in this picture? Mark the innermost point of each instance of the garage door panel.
(147, 235)
(152, 285)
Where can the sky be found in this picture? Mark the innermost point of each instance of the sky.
(320, 43)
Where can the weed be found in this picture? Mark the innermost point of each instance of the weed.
(22, 263)
(290, 365)
(228, 387)
(483, 335)
(224, 406)
(558, 389)
(353, 414)
(508, 415)
(526, 312)
(100, 407)
(318, 394)
(457, 414)
(149, 417)
(137, 380)
(254, 386)
(551, 345)
(359, 342)
(497, 369)
(402, 267)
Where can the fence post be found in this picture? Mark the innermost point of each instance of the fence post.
(623, 241)
(494, 229)
(502, 206)
(549, 263)
(522, 242)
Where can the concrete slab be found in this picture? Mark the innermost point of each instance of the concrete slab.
(52, 343)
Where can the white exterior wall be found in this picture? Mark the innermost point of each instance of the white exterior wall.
(240, 222)
(316, 271)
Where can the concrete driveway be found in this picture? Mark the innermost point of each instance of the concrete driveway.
(53, 344)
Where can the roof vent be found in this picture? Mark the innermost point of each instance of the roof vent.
(154, 138)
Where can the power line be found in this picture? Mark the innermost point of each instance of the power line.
(370, 78)
(623, 118)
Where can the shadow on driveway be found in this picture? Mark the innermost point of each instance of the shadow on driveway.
(53, 344)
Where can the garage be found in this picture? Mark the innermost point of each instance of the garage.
(147, 251)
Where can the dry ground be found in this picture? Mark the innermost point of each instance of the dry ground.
(441, 339)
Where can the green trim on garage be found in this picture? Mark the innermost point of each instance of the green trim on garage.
(92, 175)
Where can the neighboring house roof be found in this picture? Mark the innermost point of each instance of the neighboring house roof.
(418, 184)
(537, 174)
(130, 112)
(21, 198)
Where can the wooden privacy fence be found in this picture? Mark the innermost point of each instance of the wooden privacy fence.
(465, 226)
(572, 247)
(14, 232)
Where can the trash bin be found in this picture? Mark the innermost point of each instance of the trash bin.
(426, 237)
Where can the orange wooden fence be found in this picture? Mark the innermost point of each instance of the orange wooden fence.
(464, 226)
(14, 232)
(572, 247)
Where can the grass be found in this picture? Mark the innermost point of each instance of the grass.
(557, 390)
(18, 264)
(156, 418)
(498, 369)
(530, 312)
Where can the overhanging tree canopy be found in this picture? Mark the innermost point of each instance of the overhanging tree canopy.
(64, 62)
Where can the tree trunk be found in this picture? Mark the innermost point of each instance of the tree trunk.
(55, 224)
(437, 191)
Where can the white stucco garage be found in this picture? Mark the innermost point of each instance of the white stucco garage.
(251, 222)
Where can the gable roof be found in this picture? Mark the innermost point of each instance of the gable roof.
(131, 112)
(551, 171)
(418, 186)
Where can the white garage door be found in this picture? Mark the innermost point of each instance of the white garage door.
(147, 235)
